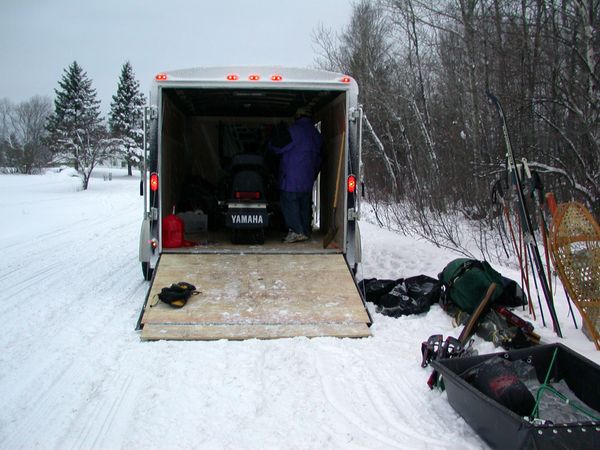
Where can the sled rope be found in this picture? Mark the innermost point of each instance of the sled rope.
(546, 387)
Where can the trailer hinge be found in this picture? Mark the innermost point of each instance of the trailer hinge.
(152, 112)
(355, 114)
(353, 214)
(153, 215)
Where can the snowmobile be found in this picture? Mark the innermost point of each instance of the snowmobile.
(247, 214)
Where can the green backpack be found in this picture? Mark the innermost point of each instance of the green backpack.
(467, 280)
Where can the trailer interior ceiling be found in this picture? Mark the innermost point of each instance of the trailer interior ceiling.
(202, 129)
(247, 102)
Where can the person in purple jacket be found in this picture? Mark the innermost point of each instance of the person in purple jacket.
(299, 166)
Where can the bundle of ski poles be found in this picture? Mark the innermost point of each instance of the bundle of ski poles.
(521, 183)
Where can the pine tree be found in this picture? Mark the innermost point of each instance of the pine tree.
(76, 133)
(126, 117)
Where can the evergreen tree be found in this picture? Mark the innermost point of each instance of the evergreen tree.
(76, 133)
(126, 117)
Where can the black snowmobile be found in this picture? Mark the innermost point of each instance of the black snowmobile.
(247, 214)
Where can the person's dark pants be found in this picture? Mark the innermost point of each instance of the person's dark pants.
(296, 209)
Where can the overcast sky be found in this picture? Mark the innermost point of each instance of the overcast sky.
(40, 38)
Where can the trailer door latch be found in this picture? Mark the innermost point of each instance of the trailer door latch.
(353, 214)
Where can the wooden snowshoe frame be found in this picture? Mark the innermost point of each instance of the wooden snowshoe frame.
(575, 244)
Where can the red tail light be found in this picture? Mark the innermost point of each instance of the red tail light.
(276, 78)
(161, 77)
(346, 79)
(240, 195)
(351, 184)
(232, 77)
(254, 77)
(154, 182)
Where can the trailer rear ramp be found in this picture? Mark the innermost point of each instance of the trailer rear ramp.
(263, 296)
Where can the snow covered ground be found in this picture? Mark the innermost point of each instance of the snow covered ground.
(74, 373)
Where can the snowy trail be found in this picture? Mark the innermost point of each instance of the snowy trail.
(66, 295)
(74, 374)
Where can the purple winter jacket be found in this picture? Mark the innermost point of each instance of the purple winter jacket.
(301, 158)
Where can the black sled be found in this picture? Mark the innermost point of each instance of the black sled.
(501, 427)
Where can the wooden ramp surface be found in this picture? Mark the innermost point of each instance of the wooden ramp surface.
(263, 296)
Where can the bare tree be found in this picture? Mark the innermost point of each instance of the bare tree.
(5, 106)
(23, 134)
(423, 69)
(364, 50)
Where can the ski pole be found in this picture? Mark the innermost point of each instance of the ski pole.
(537, 293)
(547, 252)
(527, 227)
(536, 191)
(525, 271)
(498, 189)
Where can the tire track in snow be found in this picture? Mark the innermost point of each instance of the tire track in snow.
(40, 254)
(330, 387)
(391, 415)
(106, 421)
(37, 404)
(116, 283)
(37, 293)
(86, 382)
(46, 236)
(414, 410)
(71, 297)
(31, 278)
(59, 240)
(107, 220)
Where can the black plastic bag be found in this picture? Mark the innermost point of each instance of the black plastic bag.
(402, 297)
(374, 288)
(424, 286)
(512, 294)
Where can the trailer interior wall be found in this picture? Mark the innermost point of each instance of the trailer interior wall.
(173, 158)
(190, 147)
(333, 125)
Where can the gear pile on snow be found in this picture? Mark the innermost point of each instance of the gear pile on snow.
(465, 282)
(461, 286)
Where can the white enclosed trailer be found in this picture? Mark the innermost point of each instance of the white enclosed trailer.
(196, 122)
